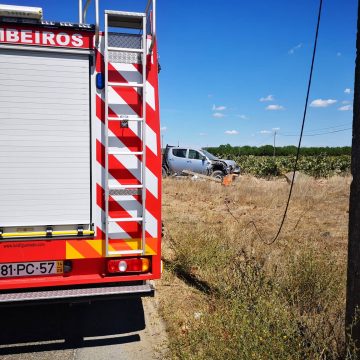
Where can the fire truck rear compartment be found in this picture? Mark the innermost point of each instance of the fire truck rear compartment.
(79, 116)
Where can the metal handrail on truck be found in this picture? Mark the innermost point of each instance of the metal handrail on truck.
(150, 8)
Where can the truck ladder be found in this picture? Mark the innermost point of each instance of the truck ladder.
(125, 20)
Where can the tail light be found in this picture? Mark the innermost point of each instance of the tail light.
(130, 265)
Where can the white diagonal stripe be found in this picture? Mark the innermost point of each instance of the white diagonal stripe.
(118, 105)
(129, 204)
(116, 232)
(130, 162)
(151, 224)
(151, 142)
(150, 95)
(151, 182)
(129, 72)
(148, 44)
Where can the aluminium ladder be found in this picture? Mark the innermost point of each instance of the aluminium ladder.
(130, 20)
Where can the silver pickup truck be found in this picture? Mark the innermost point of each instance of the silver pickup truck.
(176, 159)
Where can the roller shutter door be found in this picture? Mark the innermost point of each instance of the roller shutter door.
(44, 139)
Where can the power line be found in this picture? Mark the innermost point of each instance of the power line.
(324, 133)
(329, 132)
(320, 129)
(301, 133)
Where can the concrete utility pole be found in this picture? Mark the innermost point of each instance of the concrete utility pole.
(353, 272)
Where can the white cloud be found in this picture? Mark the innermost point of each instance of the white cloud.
(322, 103)
(338, 53)
(265, 132)
(242, 116)
(275, 107)
(347, 91)
(202, 134)
(345, 108)
(276, 129)
(231, 132)
(296, 47)
(218, 108)
(218, 115)
(346, 102)
(164, 128)
(267, 98)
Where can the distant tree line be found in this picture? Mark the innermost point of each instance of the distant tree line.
(268, 150)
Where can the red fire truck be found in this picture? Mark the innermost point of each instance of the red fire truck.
(80, 157)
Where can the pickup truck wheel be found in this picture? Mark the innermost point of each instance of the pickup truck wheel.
(164, 173)
(218, 174)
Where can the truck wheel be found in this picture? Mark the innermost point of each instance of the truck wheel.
(218, 174)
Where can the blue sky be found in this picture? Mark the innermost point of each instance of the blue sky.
(220, 58)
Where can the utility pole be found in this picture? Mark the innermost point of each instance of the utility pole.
(274, 143)
(353, 271)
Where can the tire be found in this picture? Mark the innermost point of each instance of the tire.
(218, 174)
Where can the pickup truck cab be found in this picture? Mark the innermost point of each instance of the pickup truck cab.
(177, 158)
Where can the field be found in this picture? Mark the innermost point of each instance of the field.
(227, 294)
(317, 166)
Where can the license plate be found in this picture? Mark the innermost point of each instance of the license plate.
(31, 269)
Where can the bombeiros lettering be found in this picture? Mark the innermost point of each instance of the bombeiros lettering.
(47, 38)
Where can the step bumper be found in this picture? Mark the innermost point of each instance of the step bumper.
(74, 295)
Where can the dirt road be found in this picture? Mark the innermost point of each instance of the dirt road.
(116, 329)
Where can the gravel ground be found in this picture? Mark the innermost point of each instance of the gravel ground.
(116, 329)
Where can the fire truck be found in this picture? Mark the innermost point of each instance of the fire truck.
(80, 157)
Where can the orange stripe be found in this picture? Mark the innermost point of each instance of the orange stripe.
(119, 245)
(152, 243)
(84, 248)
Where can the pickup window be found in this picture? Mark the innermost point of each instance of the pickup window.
(193, 154)
(179, 153)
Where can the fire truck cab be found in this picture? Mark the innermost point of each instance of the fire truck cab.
(80, 157)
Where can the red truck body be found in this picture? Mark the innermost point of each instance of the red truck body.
(80, 157)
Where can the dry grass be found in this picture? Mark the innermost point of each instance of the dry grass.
(241, 298)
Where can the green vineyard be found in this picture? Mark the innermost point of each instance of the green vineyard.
(317, 166)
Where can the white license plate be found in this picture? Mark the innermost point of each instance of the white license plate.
(31, 269)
